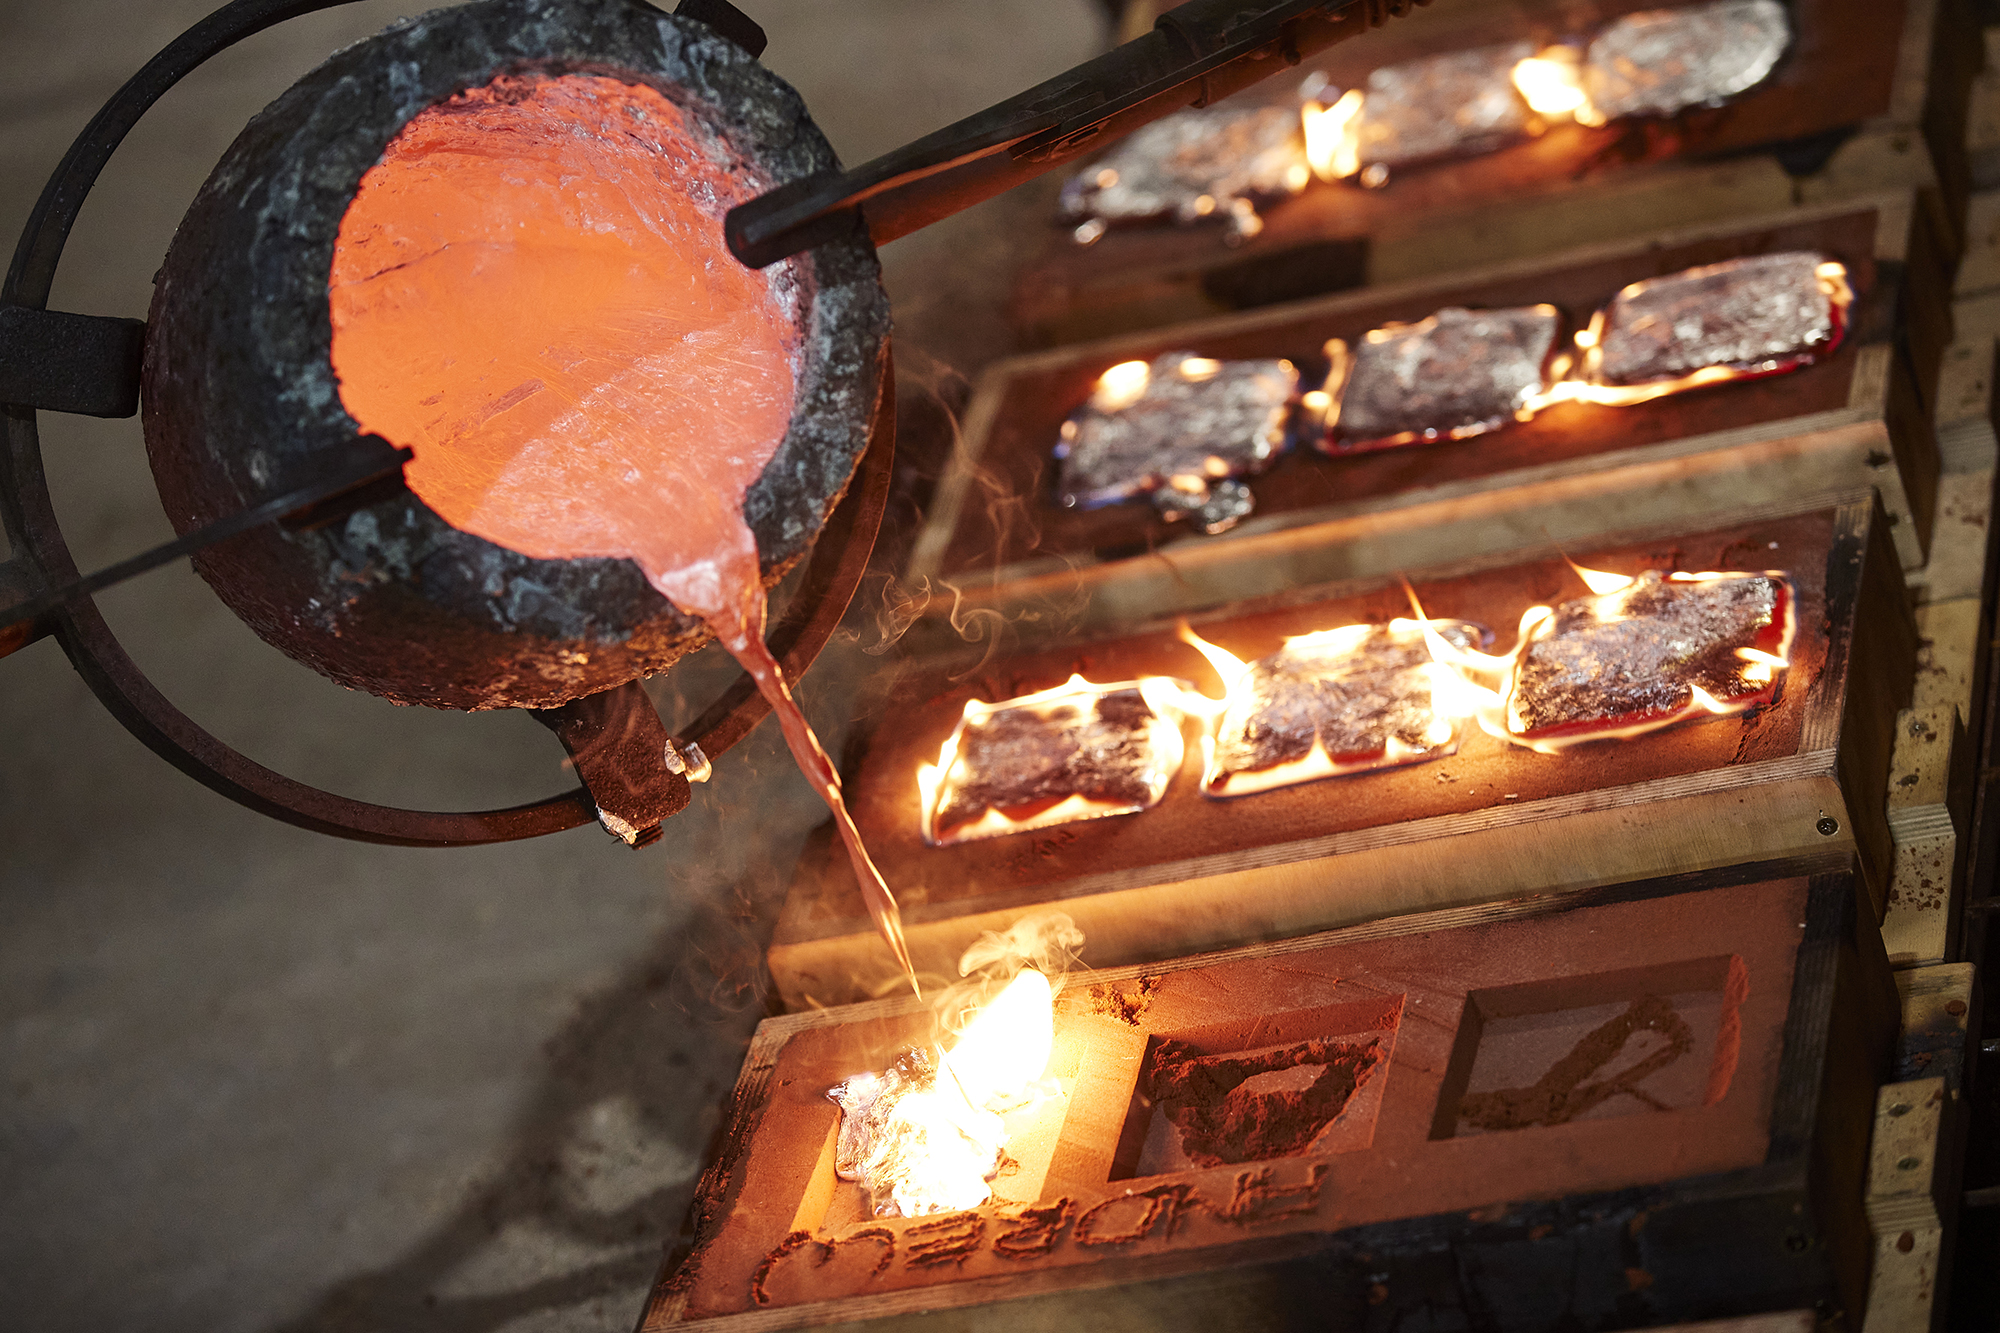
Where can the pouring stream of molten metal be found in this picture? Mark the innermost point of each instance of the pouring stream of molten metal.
(531, 291)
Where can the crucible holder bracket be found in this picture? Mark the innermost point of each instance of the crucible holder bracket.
(55, 361)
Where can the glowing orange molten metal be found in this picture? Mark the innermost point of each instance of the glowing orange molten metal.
(531, 291)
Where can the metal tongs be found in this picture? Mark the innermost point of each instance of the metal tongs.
(1200, 52)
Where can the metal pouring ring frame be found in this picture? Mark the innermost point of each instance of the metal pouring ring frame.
(834, 568)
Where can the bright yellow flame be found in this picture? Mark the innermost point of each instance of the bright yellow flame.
(1600, 581)
(1333, 138)
(1832, 276)
(1231, 668)
(1625, 395)
(1195, 369)
(1552, 82)
(1006, 1045)
(1453, 696)
(934, 1145)
(1121, 386)
(1703, 699)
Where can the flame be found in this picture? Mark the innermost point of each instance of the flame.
(924, 1141)
(1440, 735)
(1333, 136)
(1601, 582)
(1552, 83)
(1704, 700)
(1005, 1046)
(1121, 386)
(1231, 668)
(1832, 278)
(1761, 664)
(1168, 700)
(1481, 686)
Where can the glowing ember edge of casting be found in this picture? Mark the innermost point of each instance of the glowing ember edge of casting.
(1467, 686)
(1493, 707)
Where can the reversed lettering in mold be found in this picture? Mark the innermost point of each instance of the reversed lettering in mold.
(804, 1266)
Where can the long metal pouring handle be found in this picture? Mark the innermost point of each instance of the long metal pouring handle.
(1196, 53)
(1201, 51)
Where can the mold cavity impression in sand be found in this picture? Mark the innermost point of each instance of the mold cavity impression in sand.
(531, 291)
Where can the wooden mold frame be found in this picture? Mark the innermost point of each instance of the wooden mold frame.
(1859, 418)
(1490, 822)
(1730, 1183)
(1873, 96)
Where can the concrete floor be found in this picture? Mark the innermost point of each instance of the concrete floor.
(256, 1079)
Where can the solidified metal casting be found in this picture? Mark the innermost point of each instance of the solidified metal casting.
(1651, 651)
(1660, 61)
(1181, 424)
(1458, 373)
(1763, 313)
